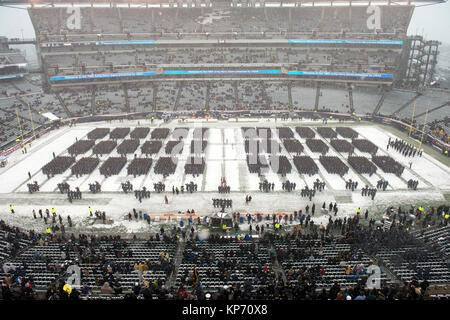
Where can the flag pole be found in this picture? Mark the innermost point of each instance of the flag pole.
(32, 123)
(20, 127)
(412, 118)
(423, 130)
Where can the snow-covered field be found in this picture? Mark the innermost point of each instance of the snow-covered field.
(224, 156)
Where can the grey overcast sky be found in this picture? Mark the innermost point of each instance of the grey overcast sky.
(433, 22)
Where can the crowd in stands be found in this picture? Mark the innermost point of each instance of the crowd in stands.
(168, 23)
(319, 262)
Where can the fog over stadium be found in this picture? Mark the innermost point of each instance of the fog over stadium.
(224, 150)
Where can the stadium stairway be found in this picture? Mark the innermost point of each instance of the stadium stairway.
(61, 101)
(236, 96)
(207, 98)
(178, 257)
(391, 275)
(155, 94)
(407, 103)
(380, 103)
(276, 266)
(291, 107)
(93, 92)
(387, 225)
(316, 101)
(127, 99)
(350, 98)
(177, 99)
(434, 109)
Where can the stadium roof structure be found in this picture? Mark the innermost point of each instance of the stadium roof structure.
(249, 2)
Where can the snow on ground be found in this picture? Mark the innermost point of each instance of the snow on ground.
(36, 157)
(231, 173)
(426, 167)
(225, 156)
(213, 175)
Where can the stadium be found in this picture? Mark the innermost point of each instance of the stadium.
(224, 150)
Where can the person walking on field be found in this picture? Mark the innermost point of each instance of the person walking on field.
(166, 200)
(11, 208)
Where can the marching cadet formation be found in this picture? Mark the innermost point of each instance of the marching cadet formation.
(333, 165)
(351, 185)
(127, 186)
(319, 185)
(288, 186)
(223, 187)
(406, 149)
(369, 192)
(412, 184)
(388, 165)
(190, 187)
(308, 193)
(222, 203)
(382, 184)
(95, 187)
(144, 193)
(159, 187)
(84, 166)
(266, 186)
(33, 187)
(74, 194)
(63, 187)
